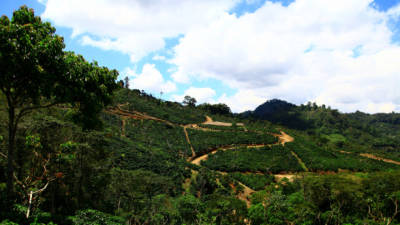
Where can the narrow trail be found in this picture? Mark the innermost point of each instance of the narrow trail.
(190, 144)
(283, 138)
(367, 155)
(198, 159)
(247, 191)
(210, 121)
(197, 127)
(371, 156)
(245, 194)
(195, 159)
(302, 164)
(136, 115)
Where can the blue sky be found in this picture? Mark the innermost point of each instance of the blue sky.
(240, 52)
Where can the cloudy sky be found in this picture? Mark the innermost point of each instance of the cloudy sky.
(342, 53)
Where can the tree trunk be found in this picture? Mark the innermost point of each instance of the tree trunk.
(11, 149)
(29, 205)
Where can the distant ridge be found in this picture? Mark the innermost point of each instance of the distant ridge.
(279, 112)
(272, 107)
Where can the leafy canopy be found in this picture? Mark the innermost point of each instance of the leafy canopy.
(35, 71)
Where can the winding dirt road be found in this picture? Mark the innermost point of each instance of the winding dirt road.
(367, 155)
(247, 191)
(371, 156)
(283, 138)
(210, 121)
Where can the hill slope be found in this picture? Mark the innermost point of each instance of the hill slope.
(158, 162)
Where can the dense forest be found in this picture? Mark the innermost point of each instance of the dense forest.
(79, 147)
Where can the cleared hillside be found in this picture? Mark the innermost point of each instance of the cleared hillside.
(160, 162)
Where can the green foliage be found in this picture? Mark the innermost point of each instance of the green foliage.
(205, 183)
(91, 216)
(137, 186)
(189, 208)
(132, 171)
(273, 159)
(34, 66)
(220, 108)
(254, 181)
(256, 214)
(172, 111)
(36, 73)
(132, 156)
(225, 210)
(319, 159)
(159, 135)
(223, 128)
(189, 101)
(7, 222)
(203, 141)
(336, 139)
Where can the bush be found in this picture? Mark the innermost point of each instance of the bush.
(94, 217)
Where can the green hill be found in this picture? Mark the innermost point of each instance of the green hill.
(158, 162)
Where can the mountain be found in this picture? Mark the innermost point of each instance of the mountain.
(279, 112)
(273, 107)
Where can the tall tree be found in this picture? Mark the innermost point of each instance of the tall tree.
(189, 101)
(36, 73)
(127, 82)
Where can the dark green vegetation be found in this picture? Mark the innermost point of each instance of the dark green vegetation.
(319, 159)
(74, 160)
(273, 159)
(223, 128)
(378, 134)
(156, 134)
(330, 199)
(254, 181)
(171, 111)
(36, 73)
(204, 141)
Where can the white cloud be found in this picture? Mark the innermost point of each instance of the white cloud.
(303, 52)
(150, 80)
(134, 27)
(159, 58)
(43, 2)
(299, 53)
(200, 94)
(242, 100)
(129, 71)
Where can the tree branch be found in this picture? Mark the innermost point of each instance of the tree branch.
(27, 109)
(4, 155)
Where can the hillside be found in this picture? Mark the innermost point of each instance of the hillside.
(159, 162)
(350, 132)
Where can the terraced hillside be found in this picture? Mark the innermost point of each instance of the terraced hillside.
(158, 162)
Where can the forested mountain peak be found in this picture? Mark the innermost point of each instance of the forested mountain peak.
(273, 106)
